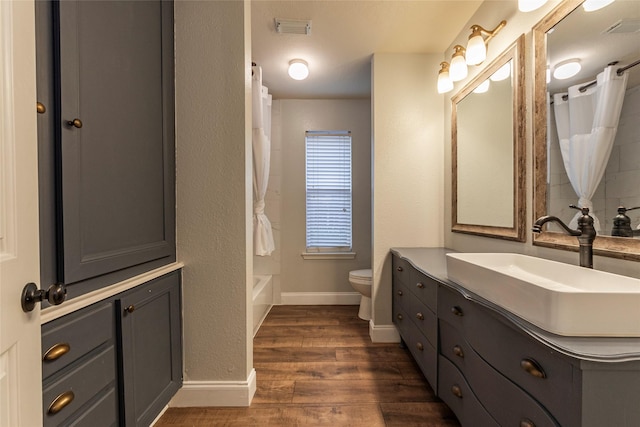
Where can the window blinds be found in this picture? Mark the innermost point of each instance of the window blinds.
(328, 177)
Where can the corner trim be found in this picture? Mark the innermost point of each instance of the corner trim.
(383, 333)
(320, 298)
(215, 393)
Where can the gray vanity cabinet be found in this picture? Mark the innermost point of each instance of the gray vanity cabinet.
(117, 362)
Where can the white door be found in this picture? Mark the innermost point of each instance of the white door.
(20, 364)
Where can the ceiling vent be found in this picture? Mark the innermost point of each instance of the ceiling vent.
(624, 26)
(291, 26)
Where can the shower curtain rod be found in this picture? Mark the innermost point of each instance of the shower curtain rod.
(619, 72)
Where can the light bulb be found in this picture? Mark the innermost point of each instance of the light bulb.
(482, 87)
(444, 81)
(458, 68)
(298, 69)
(502, 72)
(476, 49)
(592, 5)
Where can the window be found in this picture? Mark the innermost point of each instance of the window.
(328, 177)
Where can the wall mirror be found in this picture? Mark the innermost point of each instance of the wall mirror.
(487, 141)
(587, 126)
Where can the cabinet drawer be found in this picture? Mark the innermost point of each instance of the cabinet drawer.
(422, 316)
(101, 412)
(423, 352)
(85, 381)
(422, 286)
(455, 392)
(508, 404)
(75, 335)
(541, 372)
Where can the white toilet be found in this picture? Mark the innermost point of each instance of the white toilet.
(361, 282)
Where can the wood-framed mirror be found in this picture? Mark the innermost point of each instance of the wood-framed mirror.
(488, 150)
(599, 39)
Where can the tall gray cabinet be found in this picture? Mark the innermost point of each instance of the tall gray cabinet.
(106, 146)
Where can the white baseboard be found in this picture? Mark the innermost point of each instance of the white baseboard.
(383, 333)
(320, 298)
(215, 393)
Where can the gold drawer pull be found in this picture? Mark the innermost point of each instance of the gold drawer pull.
(457, 350)
(420, 285)
(400, 293)
(60, 402)
(457, 392)
(56, 351)
(457, 311)
(420, 346)
(399, 316)
(40, 108)
(527, 423)
(420, 316)
(400, 268)
(533, 368)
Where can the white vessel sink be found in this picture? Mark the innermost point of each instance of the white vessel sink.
(559, 298)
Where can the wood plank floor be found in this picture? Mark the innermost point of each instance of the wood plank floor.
(316, 366)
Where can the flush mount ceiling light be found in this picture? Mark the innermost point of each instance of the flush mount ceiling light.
(502, 73)
(458, 68)
(530, 5)
(592, 5)
(444, 81)
(567, 69)
(292, 26)
(477, 45)
(298, 69)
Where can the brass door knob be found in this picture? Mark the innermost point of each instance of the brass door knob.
(76, 123)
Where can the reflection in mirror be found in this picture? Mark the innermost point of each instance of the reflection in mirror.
(587, 127)
(487, 138)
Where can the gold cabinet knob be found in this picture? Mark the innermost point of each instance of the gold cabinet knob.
(456, 390)
(130, 309)
(420, 285)
(60, 402)
(457, 350)
(400, 269)
(533, 368)
(419, 316)
(527, 423)
(400, 293)
(399, 316)
(40, 108)
(420, 346)
(457, 311)
(76, 123)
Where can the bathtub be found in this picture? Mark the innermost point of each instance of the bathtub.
(262, 299)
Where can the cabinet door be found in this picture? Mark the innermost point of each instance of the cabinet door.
(151, 354)
(116, 134)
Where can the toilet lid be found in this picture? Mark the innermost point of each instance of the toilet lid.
(361, 274)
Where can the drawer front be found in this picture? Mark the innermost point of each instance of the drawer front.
(456, 393)
(422, 286)
(102, 412)
(402, 270)
(505, 401)
(84, 381)
(538, 370)
(422, 316)
(422, 351)
(72, 336)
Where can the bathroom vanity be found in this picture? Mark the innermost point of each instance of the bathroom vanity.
(494, 369)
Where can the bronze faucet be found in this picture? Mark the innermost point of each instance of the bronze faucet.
(585, 233)
(622, 224)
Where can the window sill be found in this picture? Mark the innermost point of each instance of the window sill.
(328, 255)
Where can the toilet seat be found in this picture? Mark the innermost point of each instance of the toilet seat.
(361, 276)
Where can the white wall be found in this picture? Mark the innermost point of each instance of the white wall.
(407, 167)
(214, 202)
(293, 118)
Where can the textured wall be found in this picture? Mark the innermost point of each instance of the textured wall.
(407, 164)
(213, 117)
(296, 117)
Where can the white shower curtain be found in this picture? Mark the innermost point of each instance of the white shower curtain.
(587, 123)
(262, 233)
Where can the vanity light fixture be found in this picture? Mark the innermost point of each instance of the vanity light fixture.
(477, 45)
(502, 73)
(298, 69)
(530, 5)
(458, 68)
(444, 81)
(592, 5)
(483, 87)
(567, 69)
